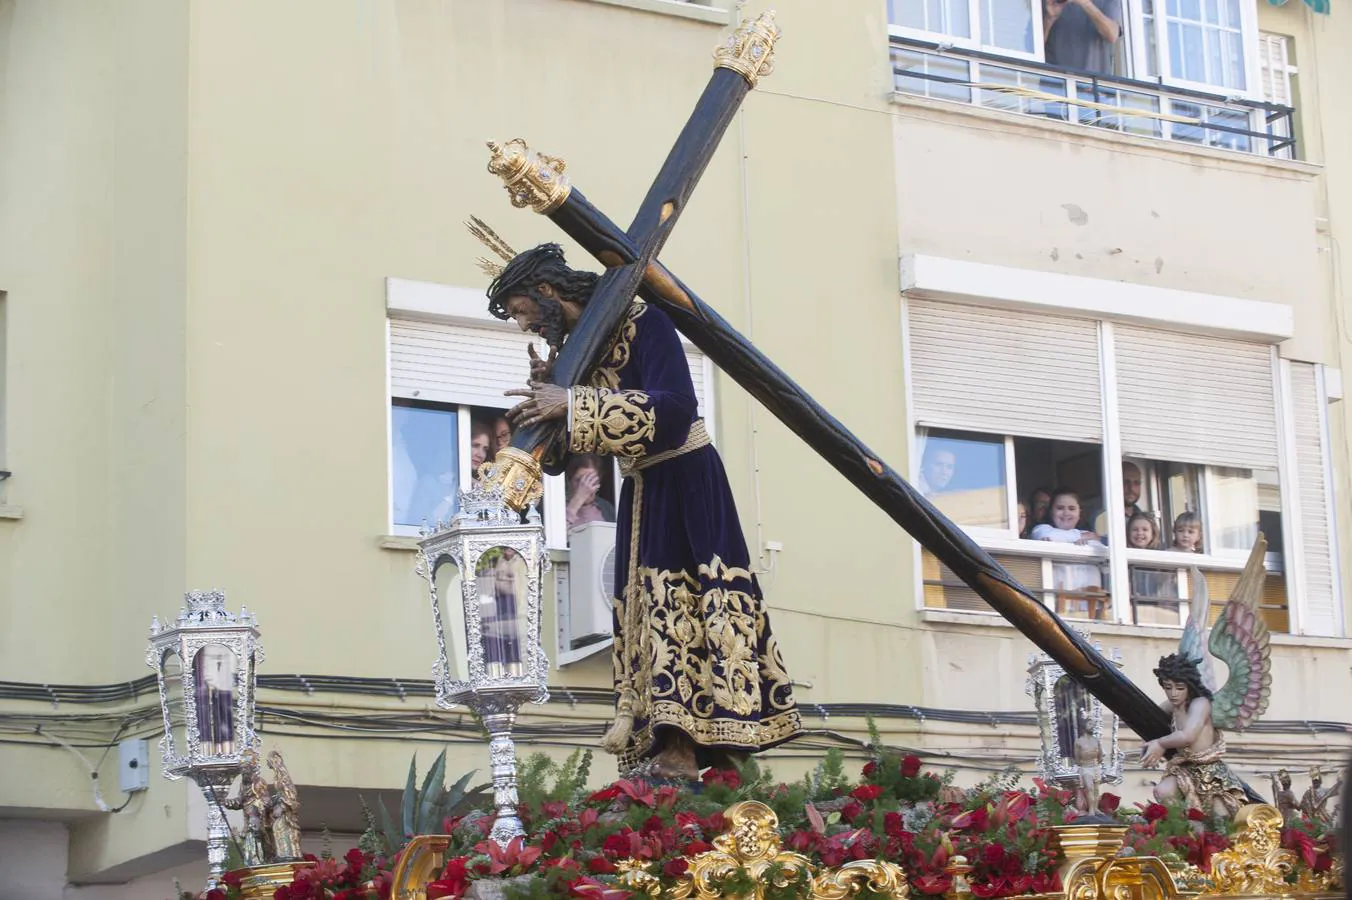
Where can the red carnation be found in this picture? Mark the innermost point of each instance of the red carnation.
(870, 769)
(1155, 811)
(866, 792)
(675, 868)
(1196, 815)
(910, 766)
(1108, 803)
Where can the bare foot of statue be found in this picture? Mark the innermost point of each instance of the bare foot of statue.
(676, 759)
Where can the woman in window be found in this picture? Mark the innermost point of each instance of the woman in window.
(480, 440)
(1038, 501)
(583, 480)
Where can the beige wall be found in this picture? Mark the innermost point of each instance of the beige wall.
(202, 202)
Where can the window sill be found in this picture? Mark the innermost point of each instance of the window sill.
(1061, 131)
(10, 512)
(397, 542)
(698, 12)
(1116, 629)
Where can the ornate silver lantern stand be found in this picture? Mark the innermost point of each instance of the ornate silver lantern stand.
(205, 665)
(484, 570)
(1065, 710)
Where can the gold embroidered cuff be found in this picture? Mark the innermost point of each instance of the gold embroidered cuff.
(614, 422)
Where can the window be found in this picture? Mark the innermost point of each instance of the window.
(424, 464)
(1013, 26)
(1195, 41)
(1092, 497)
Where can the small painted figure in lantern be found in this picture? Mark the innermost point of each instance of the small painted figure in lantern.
(1089, 760)
(254, 801)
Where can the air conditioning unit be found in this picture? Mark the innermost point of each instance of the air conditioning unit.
(591, 581)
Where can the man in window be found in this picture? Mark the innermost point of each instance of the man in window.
(936, 469)
(1131, 493)
(697, 670)
(1081, 34)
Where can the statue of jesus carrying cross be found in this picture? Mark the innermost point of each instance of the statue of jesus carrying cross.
(699, 675)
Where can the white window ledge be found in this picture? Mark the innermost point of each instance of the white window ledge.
(1116, 629)
(397, 542)
(697, 11)
(10, 512)
(961, 281)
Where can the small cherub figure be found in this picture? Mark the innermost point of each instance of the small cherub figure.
(1283, 796)
(1089, 760)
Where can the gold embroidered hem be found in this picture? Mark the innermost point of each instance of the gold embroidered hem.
(613, 422)
(1204, 779)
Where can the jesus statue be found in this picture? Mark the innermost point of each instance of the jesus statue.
(699, 676)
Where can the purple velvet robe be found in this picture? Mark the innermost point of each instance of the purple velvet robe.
(693, 647)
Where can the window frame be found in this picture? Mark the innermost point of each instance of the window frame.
(1136, 56)
(1290, 563)
(977, 42)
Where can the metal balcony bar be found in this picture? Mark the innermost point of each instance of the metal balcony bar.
(1158, 111)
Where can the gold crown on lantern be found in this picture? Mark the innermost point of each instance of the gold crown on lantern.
(750, 50)
(532, 179)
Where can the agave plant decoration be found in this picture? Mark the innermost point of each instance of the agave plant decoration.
(422, 810)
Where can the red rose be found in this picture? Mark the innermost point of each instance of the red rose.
(1155, 811)
(726, 777)
(232, 879)
(993, 854)
(599, 865)
(893, 826)
(870, 769)
(866, 792)
(675, 868)
(910, 766)
(852, 810)
(1196, 815)
(215, 894)
(1108, 803)
(616, 844)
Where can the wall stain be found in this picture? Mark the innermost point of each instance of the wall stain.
(1076, 215)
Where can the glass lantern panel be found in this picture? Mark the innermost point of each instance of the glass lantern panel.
(451, 608)
(215, 671)
(503, 582)
(1073, 712)
(172, 667)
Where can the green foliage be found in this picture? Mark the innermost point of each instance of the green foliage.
(422, 810)
(829, 779)
(781, 883)
(540, 780)
(993, 786)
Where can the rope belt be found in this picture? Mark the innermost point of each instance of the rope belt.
(698, 437)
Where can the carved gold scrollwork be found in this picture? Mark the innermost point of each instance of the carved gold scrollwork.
(1256, 863)
(854, 878)
(420, 863)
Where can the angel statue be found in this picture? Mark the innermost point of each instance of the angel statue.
(1199, 710)
(285, 812)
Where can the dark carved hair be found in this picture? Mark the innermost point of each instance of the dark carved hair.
(526, 272)
(1178, 668)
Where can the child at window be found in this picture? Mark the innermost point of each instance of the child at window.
(1062, 522)
(1142, 534)
(1188, 533)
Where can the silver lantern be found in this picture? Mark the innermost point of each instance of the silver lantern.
(205, 665)
(484, 570)
(1065, 712)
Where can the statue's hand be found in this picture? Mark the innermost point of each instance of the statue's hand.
(543, 402)
(541, 369)
(1152, 755)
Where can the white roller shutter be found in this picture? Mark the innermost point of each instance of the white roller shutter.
(473, 364)
(1004, 372)
(1320, 615)
(1187, 398)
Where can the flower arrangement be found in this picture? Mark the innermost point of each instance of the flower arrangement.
(581, 842)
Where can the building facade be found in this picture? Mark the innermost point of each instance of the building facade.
(243, 344)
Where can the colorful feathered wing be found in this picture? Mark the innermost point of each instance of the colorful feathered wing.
(1193, 645)
(1240, 639)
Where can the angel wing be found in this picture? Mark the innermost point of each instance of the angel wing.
(1193, 644)
(1240, 639)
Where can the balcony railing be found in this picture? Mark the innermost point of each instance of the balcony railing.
(1144, 108)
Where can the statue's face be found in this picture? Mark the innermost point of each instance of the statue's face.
(525, 311)
(1175, 691)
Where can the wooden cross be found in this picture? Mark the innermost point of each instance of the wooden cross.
(539, 182)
